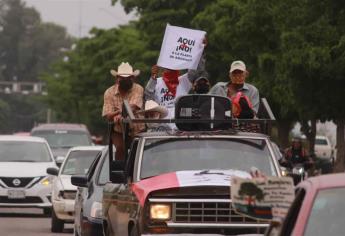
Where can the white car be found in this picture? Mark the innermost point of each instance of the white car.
(323, 147)
(23, 178)
(77, 162)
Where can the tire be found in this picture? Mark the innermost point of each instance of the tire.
(134, 231)
(47, 211)
(57, 224)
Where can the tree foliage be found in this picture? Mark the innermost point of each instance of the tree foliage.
(27, 46)
(76, 86)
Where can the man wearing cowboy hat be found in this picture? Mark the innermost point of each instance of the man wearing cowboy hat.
(237, 75)
(124, 88)
(154, 111)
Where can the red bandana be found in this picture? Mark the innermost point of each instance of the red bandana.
(171, 81)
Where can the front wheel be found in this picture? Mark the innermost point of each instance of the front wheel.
(57, 224)
(47, 211)
(134, 231)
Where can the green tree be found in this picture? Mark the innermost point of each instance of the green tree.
(250, 31)
(155, 14)
(27, 46)
(80, 82)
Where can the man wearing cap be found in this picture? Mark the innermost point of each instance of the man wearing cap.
(201, 85)
(237, 75)
(124, 88)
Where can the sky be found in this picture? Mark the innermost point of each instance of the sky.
(79, 16)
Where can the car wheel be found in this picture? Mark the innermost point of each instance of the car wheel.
(57, 224)
(47, 211)
(134, 231)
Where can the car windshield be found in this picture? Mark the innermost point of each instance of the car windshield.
(319, 141)
(24, 151)
(79, 162)
(328, 213)
(170, 155)
(64, 138)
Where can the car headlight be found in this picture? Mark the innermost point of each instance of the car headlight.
(47, 180)
(160, 211)
(285, 173)
(96, 210)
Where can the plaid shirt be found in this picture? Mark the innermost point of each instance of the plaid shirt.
(113, 102)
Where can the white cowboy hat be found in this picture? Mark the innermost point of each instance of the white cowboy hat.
(151, 105)
(125, 70)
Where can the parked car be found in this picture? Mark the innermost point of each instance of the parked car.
(23, 178)
(78, 161)
(62, 136)
(88, 203)
(318, 209)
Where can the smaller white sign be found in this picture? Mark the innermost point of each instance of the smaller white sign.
(262, 198)
(181, 48)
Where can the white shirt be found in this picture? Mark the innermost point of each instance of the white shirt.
(163, 98)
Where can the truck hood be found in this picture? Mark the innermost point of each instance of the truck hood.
(185, 179)
(24, 169)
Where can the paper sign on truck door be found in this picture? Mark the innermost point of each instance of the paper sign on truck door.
(262, 198)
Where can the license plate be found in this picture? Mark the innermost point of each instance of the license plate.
(16, 194)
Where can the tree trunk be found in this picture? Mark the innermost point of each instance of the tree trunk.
(339, 164)
(310, 133)
(284, 128)
(311, 137)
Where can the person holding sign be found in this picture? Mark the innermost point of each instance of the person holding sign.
(165, 89)
(237, 75)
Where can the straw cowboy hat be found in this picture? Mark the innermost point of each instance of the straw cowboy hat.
(151, 105)
(125, 70)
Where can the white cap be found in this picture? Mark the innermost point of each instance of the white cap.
(237, 65)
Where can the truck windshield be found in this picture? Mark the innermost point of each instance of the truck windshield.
(64, 139)
(23, 151)
(79, 162)
(170, 155)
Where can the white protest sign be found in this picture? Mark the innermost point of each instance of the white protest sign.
(262, 198)
(181, 48)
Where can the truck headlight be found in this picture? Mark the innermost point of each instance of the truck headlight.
(160, 211)
(285, 172)
(96, 210)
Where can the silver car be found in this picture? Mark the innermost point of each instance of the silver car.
(77, 162)
(23, 178)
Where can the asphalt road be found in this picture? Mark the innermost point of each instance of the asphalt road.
(28, 222)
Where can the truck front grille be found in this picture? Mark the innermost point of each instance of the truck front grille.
(208, 212)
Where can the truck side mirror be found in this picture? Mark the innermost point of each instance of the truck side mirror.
(79, 180)
(117, 172)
